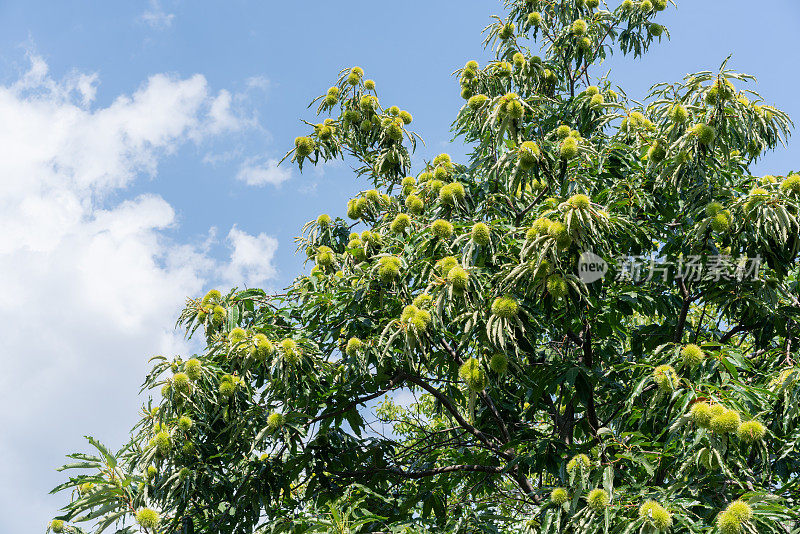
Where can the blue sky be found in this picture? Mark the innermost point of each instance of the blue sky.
(137, 150)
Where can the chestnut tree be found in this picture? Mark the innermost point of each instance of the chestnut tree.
(450, 362)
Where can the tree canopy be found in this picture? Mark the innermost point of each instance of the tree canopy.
(450, 364)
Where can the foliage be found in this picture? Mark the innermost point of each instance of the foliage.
(447, 369)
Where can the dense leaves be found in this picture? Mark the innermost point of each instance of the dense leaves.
(447, 368)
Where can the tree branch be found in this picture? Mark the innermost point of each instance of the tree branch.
(687, 302)
(441, 397)
(735, 330)
(483, 395)
(427, 473)
(392, 385)
(521, 215)
(588, 361)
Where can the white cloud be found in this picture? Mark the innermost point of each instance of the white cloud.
(251, 258)
(156, 17)
(92, 287)
(222, 118)
(258, 82)
(223, 157)
(253, 173)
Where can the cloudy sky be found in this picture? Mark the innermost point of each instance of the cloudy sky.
(138, 150)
